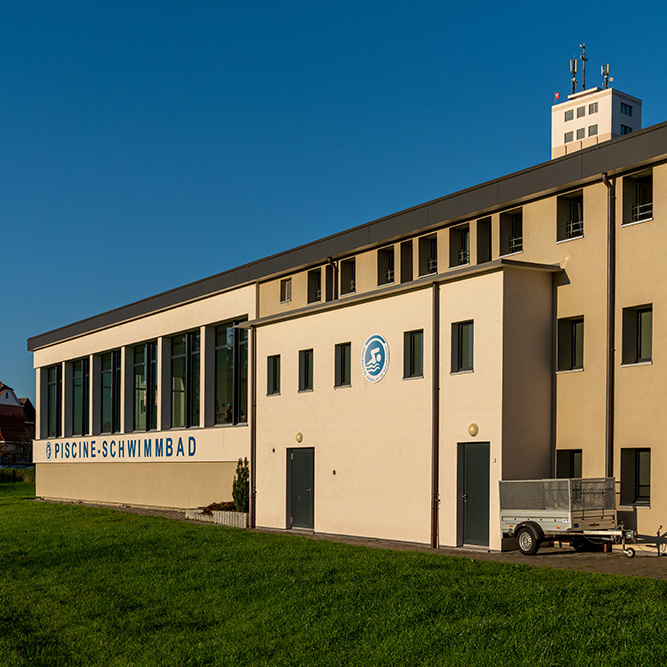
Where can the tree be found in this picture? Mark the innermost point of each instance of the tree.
(241, 486)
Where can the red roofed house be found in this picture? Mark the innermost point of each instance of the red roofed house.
(17, 427)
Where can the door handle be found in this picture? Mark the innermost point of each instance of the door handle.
(465, 496)
(309, 490)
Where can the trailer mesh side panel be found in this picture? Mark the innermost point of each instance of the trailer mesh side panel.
(552, 494)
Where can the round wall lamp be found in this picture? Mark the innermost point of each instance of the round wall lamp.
(299, 437)
(473, 429)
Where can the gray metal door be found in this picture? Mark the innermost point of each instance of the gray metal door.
(300, 487)
(473, 493)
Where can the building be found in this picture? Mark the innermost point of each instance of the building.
(384, 379)
(17, 427)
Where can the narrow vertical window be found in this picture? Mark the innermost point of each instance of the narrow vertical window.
(511, 232)
(231, 374)
(314, 285)
(386, 266)
(185, 380)
(54, 401)
(570, 344)
(459, 246)
(273, 375)
(348, 276)
(111, 391)
(635, 476)
(342, 364)
(638, 335)
(285, 290)
(413, 354)
(428, 255)
(80, 396)
(145, 387)
(462, 346)
(305, 370)
(406, 262)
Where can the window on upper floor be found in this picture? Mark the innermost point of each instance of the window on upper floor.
(511, 232)
(593, 107)
(306, 370)
(484, 240)
(459, 245)
(386, 266)
(406, 262)
(462, 346)
(54, 397)
(185, 379)
(570, 344)
(581, 112)
(636, 476)
(626, 109)
(568, 137)
(625, 129)
(413, 354)
(569, 115)
(343, 365)
(638, 197)
(145, 386)
(428, 255)
(348, 276)
(637, 334)
(581, 133)
(592, 130)
(285, 290)
(314, 285)
(231, 373)
(273, 375)
(80, 396)
(570, 216)
(568, 463)
(111, 392)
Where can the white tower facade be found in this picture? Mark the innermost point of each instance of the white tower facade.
(592, 116)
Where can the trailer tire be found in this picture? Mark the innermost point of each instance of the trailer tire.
(629, 552)
(528, 540)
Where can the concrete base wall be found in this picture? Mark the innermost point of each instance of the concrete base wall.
(180, 485)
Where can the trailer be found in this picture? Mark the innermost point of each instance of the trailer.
(576, 511)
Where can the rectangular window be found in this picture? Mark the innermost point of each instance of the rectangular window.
(185, 380)
(581, 133)
(314, 285)
(635, 476)
(231, 373)
(459, 246)
(570, 216)
(54, 397)
(638, 197)
(570, 344)
(462, 346)
(581, 112)
(348, 276)
(285, 290)
(342, 364)
(413, 354)
(145, 387)
(386, 266)
(305, 370)
(569, 136)
(592, 130)
(80, 396)
(569, 115)
(568, 463)
(406, 262)
(593, 107)
(511, 232)
(626, 109)
(484, 240)
(637, 334)
(428, 255)
(273, 375)
(625, 129)
(111, 392)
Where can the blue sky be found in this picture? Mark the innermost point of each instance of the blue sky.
(149, 144)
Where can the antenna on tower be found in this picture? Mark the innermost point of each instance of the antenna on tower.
(573, 72)
(605, 75)
(583, 67)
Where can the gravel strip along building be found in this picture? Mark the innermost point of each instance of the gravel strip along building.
(382, 380)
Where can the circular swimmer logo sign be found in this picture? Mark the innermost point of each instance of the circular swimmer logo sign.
(48, 451)
(375, 358)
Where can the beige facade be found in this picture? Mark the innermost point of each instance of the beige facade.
(397, 372)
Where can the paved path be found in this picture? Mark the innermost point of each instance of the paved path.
(644, 564)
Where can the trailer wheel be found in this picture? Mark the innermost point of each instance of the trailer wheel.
(528, 540)
(629, 552)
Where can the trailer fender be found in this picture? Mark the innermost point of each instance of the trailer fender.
(537, 529)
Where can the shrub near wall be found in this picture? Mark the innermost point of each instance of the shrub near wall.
(13, 474)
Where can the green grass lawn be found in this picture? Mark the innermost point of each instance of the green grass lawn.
(85, 586)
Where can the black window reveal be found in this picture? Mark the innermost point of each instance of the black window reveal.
(231, 373)
(145, 387)
(305, 370)
(111, 392)
(185, 380)
(80, 396)
(342, 364)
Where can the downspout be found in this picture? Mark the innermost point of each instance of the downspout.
(435, 418)
(253, 426)
(611, 326)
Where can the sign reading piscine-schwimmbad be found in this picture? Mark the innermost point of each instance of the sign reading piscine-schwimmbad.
(122, 449)
(375, 358)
